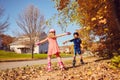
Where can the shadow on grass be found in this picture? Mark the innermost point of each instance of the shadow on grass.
(67, 68)
(101, 59)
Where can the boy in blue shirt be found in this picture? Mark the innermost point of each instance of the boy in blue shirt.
(77, 47)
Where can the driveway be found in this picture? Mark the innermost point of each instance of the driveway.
(9, 65)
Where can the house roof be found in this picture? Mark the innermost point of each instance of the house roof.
(24, 40)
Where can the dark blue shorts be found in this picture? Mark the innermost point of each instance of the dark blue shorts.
(77, 51)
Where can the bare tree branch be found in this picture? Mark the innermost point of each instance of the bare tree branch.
(3, 23)
(32, 23)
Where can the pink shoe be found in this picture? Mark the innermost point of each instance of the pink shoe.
(49, 67)
(61, 65)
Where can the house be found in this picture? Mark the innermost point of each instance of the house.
(22, 45)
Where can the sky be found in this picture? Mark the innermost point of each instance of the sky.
(14, 7)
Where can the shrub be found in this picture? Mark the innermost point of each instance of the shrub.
(115, 62)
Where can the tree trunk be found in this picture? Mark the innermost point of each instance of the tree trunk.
(116, 6)
(32, 50)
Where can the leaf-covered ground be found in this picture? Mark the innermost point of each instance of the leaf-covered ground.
(92, 70)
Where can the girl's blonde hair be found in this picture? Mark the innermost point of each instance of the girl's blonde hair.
(51, 35)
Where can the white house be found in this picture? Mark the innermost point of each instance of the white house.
(21, 45)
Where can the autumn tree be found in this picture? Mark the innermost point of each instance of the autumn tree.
(31, 22)
(6, 40)
(3, 23)
(98, 17)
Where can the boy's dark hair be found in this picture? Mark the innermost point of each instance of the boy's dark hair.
(76, 33)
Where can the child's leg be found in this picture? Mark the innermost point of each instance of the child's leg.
(74, 60)
(74, 57)
(58, 58)
(60, 61)
(49, 63)
(81, 58)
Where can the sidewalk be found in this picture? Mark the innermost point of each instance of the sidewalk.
(9, 65)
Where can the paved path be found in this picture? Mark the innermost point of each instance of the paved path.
(9, 65)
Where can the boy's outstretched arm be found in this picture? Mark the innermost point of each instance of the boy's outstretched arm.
(40, 42)
(66, 41)
(64, 34)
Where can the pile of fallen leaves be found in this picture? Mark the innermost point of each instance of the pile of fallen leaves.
(90, 71)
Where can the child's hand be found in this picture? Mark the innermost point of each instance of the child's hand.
(68, 33)
(64, 42)
(38, 43)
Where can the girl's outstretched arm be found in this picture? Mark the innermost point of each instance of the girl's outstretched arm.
(40, 42)
(64, 34)
(44, 40)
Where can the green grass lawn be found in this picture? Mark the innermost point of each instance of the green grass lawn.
(14, 56)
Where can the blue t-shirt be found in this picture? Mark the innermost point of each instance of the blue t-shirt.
(77, 42)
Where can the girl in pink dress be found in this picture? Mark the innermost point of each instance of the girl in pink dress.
(53, 48)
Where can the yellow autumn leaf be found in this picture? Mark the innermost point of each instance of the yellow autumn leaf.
(103, 21)
(106, 29)
(104, 0)
(93, 19)
(105, 7)
(119, 65)
(100, 17)
(89, 72)
(88, 28)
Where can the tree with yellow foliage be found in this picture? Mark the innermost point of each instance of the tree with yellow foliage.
(99, 18)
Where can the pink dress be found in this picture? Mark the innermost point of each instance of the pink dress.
(53, 46)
